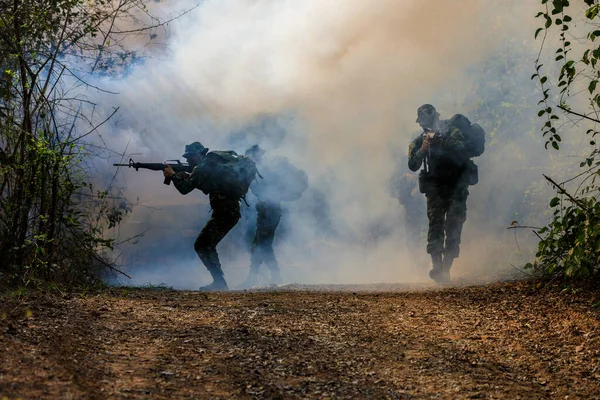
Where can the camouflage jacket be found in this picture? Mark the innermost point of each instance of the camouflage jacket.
(446, 161)
(185, 183)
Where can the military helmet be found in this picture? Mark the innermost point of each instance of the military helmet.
(193, 149)
(254, 151)
(426, 112)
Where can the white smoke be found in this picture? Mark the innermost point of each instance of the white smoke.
(343, 78)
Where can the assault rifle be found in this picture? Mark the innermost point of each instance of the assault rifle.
(177, 165)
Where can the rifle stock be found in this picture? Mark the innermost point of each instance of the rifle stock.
(177, 166)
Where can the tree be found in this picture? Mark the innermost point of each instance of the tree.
(52, 219)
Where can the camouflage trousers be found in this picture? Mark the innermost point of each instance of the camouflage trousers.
(225, 214)
(269, 215)
(447, 212)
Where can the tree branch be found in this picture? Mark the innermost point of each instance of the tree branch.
(578, 114)
(563, 191)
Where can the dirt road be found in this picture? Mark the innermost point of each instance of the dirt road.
(504, 341)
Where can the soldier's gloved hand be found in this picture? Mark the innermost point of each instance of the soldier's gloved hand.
(168, 172)
(425, 146)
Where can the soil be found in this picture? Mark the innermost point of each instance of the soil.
(502, 341)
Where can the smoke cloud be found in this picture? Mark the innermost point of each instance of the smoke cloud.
(334, 86)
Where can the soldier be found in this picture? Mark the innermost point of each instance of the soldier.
(282, 182)
(268, 209)
(441, 148)
(225, 214)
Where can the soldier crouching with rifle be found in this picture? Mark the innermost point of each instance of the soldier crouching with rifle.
(225, 177)
(225, 211)
(441, 151)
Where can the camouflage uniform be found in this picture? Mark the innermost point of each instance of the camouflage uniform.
(225, 214)
(446, 193)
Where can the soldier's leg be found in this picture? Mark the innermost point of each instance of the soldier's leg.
(435, 236)
(455, 218)
(219, 224)
(268, 217)
(269, 226)
(256, 260)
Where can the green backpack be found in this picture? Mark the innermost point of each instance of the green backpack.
(473, 133)
(227, 173)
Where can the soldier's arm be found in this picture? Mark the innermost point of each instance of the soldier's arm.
(185, 183)
(415, 157)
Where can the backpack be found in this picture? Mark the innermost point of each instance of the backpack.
(226, 172)
(473, 133)
(282, 180)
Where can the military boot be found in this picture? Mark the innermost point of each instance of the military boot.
(447, 264)
(437, 267)
(219, 282)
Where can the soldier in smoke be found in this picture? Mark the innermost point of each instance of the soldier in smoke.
(268, 210)
(225, 214)
(442, 150)
(282, 182)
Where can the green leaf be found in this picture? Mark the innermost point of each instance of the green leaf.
(592, 85)
(554, 202)
(537, 32)
(555, 145)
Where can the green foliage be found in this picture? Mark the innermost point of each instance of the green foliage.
(570, 243)
(53, 225)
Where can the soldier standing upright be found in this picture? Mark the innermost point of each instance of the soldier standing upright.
(444, 151)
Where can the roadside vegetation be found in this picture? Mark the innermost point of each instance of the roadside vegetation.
(55, 213)
(569, 246)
